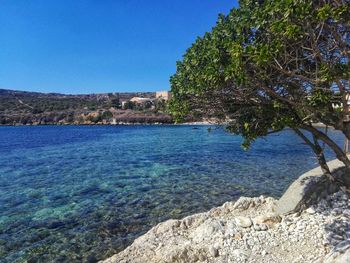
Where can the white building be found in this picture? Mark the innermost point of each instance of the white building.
(140, 100)
(165, 95)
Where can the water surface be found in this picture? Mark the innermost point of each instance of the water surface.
(83, 193)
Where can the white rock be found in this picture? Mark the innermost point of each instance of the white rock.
(214, 252)
(239, 253)
(243, 203)
(271, 218)
(310, 210)
(207, 230)
(242, 221)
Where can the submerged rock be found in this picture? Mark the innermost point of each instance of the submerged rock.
(255, 230)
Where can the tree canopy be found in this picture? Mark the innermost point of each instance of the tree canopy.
(269, 65)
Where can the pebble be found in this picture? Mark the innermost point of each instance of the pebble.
(310, 210)
(243, 221)
(239, 253)
(214, 252)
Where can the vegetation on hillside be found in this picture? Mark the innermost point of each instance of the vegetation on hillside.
(28, 108)
(269, 65)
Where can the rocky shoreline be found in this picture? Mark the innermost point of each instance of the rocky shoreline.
(259, 229)
(249, 231)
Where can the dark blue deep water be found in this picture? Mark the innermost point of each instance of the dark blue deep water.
(81, 194)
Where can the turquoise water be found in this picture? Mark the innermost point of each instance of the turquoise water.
(81, 194)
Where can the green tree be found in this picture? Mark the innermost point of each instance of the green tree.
(160, 105)
(269, 65)
(114, 100)
(107, 115)
(129, 105)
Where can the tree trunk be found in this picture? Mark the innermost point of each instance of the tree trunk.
(337, 150)
(317, 149)
(319, 154)
(322, 161)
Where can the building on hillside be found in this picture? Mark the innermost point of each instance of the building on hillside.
(165, 95)
(140, 100)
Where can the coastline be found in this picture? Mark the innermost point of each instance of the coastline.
(254, 229)
(195, 123)
(104, 124)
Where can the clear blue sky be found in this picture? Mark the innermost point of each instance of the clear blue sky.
(95, 46)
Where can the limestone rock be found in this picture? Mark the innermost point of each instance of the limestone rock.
(307, 189)
(243, 203)
(214, 252)
(240, 253)
(207, 230)
(244, 222)
(166, 226)
(269, 219)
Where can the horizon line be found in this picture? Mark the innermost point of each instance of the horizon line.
(92, 93)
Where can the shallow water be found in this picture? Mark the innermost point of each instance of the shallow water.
(83, 193)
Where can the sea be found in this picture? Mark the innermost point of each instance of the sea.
(84, 193)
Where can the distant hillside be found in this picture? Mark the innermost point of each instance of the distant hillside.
(22, 101)
(32, 108)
